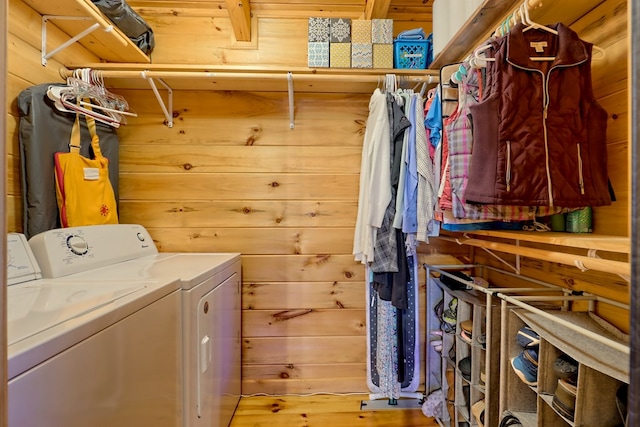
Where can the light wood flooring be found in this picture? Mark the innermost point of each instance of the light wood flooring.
(321, 411)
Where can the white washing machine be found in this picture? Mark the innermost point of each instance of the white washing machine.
(88, 351)
(211, 317)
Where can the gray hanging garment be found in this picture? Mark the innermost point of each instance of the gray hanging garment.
(129, 22)
(44, 130)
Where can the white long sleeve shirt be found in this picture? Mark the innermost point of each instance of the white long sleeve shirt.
(375, 178)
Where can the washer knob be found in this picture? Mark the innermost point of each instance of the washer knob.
(77, 245)
(141, 237)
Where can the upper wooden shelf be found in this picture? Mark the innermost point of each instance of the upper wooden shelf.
(257, 79)
(492, 13)
(107, 41)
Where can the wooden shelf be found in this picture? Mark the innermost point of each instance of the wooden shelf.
(108, 44)
(256, 79)
(491, 13)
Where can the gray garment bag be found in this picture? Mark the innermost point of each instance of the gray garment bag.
(43, 131)
(129, 22)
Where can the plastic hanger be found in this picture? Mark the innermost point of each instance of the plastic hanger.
(530, 24)
(477, 61)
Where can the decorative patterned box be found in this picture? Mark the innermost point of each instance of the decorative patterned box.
(318, 54)
(361, 31)
(361, 55)
(340, 55)
(319, 29)
(382, 31)
(383, 56)
(340, 30)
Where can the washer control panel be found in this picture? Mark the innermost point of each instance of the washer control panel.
(65, 251)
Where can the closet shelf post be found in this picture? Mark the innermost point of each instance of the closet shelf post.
(291, 107)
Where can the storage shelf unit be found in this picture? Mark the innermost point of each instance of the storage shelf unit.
(484, 312)
(601, 350)
(602, 369)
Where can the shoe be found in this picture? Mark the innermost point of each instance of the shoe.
(450, 314)
(483, 377)
(525, 365)
(510, 420)
(465, 368)
(477, 410)
(448, 328)
(564, 399)
(467, 326)
(566, 368)
(466, 337)
(527, 337)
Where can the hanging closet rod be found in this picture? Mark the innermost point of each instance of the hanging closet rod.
(240, 75)
(579, 261)
(516, 16)
(164, 72)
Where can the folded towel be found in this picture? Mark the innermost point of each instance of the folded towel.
(415, 34)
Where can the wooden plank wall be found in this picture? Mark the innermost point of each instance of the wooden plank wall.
(231, 176)
(25, 70)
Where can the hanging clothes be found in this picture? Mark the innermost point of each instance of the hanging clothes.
(410, 219)
(375, 184)
(540, 136)
(426, 197)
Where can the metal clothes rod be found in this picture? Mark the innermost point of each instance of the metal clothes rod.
(162, 75)
(238, 75)
(579, 261)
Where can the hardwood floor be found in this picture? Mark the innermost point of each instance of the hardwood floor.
(321, 411)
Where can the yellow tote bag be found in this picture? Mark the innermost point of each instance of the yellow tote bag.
(83, 189)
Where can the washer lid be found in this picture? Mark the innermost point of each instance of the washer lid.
(32, 308)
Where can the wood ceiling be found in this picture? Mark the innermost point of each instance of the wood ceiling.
(240, 11)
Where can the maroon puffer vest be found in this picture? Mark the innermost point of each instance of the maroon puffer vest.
(539, 138)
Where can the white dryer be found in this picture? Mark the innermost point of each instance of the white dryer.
(88, 351)
(211, 319)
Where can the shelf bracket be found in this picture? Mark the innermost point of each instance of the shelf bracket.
(168, 112)
(45, 18)
(593, 253)
(516, 269)
(291, 108)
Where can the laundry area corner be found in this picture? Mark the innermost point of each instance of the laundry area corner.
(355, 213)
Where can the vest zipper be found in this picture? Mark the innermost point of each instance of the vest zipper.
(508, 177)
(580, 177)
